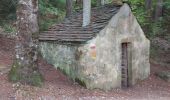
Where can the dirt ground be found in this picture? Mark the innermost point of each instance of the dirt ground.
(58, 87)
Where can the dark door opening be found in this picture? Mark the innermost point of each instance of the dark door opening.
(125, 65)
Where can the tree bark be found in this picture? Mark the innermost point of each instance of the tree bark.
(148, 8)
(159, 9)
(69, 8)
(102, 2)
(25, 67)
(148, 5)
(86, 12)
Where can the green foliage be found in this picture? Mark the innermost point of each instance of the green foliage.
(151, 27)
(7, 15)
(58, 3)
(49, 7)
(36, 79)
(94, 3)
(9, 28)
(138, 9)
(162, 26)
(8, 9)
(13, 74)
(46, 21)
(167, 4)
(51, 11)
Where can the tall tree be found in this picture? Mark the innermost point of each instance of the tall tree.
(158, 9)
(8, 9)
(86, 12)
(100, 2)
(148, 4)
(69, 8)
(148, 7)
(25, 68)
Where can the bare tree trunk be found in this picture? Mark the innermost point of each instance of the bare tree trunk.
(159, 9)
(69, 8)
(25, 68)
(102, 2)
(86, 12)
(98, 2)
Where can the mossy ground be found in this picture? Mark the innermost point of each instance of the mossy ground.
(34, 78)
(13, 73)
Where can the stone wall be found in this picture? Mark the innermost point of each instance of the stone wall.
(61, 56)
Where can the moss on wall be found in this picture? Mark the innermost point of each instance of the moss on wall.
(61, 56)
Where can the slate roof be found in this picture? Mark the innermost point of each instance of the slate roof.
(71, 30)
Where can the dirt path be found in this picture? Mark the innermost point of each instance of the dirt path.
(59, 87)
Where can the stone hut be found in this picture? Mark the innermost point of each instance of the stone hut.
(111, 52)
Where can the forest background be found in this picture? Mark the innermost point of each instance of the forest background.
(153, 16)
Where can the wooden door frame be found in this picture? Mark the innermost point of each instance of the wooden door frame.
(129, 63)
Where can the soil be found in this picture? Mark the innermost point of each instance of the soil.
(59, 87)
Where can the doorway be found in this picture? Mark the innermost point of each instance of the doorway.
(125, 65)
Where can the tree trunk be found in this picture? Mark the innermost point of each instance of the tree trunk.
(98, 2)
(69, 8)
(148, 7)
(25, 67)
(86, 12)
(102, 2)
(158, 11)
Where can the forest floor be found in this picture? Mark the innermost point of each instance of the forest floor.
(58, 87)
